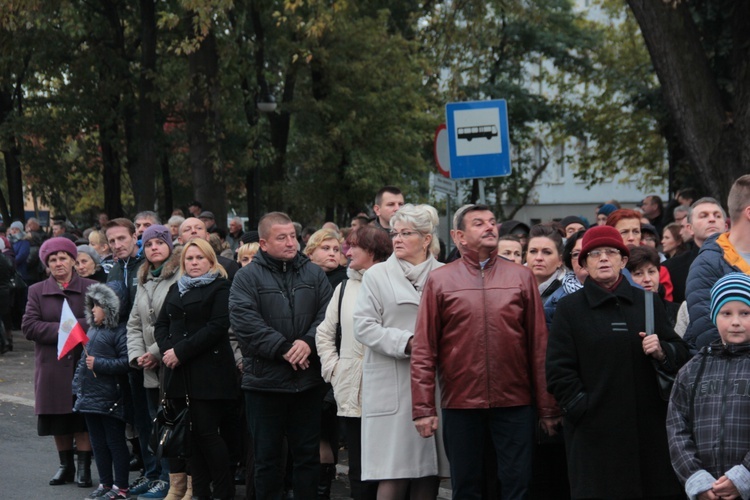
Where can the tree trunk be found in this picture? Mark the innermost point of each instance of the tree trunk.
(111, 171)
(144, 167)
(203, 129)
(711, 131)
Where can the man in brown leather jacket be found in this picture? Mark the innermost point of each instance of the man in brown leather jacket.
(481, 332)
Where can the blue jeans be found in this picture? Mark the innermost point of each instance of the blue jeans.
(154, 403)
(110, 448)
(271, 416)
(142, 422)
(510, 430)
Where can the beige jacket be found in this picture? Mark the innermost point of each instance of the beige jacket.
(343, 371)
(149, 298)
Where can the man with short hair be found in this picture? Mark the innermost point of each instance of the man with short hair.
(481, 328)
(387, 202)
(234, 238)
(705, 218)
(653, 210)
(144, 220)
(59, 228)
(196, 228)
(720, 253)
(123, 242)
(275, 307)
(195, 208)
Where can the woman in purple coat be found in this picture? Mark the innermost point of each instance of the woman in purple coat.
(52, 378)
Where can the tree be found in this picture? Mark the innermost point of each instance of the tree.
(533, 53)
(699, 50)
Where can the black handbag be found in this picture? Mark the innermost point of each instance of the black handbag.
(664, 380)
(170, 433)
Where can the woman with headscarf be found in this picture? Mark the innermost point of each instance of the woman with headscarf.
(52, 377)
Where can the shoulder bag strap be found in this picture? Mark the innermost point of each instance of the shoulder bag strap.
(649, 313)
(338, 325)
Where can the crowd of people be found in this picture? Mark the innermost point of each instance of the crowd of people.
(529, 362)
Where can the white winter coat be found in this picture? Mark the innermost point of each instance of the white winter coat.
(149, 298)
(343, 371)
(384, 318)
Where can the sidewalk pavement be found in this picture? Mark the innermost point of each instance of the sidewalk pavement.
(27, 461)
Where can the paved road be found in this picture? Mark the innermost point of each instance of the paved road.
(27, 461)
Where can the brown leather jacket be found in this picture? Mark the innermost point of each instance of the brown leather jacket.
(484, 333)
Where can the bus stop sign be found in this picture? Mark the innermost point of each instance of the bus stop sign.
(478, 139)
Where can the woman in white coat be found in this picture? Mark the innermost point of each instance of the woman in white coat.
(341, 356)
(384, 318)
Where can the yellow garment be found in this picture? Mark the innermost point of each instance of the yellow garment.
(731, 255)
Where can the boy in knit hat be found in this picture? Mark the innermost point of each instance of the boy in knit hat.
(709, 410)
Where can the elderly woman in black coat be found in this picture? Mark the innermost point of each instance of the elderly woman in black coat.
(601, 368)
(192, 333)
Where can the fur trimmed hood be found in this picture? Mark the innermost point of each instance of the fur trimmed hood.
(171, 266)
(109, 298)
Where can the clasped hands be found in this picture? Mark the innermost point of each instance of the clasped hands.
(298, 355)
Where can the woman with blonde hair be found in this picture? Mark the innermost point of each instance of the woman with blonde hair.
(324, 250)
(192, 333)
(246, 253)
(385, 315)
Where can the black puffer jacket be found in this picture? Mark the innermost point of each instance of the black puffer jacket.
(272, 304)
(104, 390)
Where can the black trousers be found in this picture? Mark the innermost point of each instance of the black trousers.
(296, 416)
(209, 460)
(511, 431)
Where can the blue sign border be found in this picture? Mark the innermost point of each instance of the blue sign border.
(479, 166)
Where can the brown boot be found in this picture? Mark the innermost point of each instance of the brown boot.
(189, 489)
(177, 486)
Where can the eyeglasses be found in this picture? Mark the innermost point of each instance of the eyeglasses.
(609, 252)
(403, 234)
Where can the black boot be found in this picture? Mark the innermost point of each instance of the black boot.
(327, 474)
(84, 469)
(67, 471)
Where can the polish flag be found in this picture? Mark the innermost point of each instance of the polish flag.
(70, 333)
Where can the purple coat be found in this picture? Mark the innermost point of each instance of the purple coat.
(52, 378)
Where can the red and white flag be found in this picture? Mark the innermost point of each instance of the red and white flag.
(70, 333)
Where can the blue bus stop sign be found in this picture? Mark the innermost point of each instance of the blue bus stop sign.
(478, 139)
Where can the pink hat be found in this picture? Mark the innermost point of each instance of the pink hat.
(55, 245)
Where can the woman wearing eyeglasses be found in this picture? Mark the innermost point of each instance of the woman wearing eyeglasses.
(601, 370)
(384, 318)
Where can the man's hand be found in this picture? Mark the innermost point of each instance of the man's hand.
(298, 354)
(724, 488)
(426, 426)
(170, 359)
(148, 361)
(90, 362)
(550, 425)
